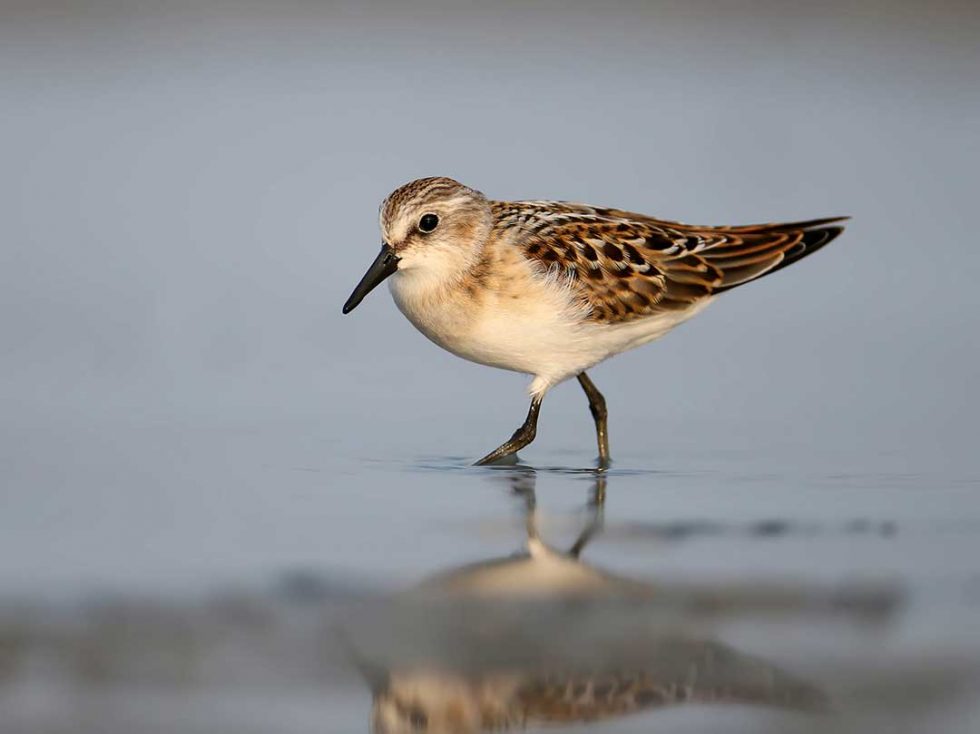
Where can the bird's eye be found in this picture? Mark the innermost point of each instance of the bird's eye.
(428, 222)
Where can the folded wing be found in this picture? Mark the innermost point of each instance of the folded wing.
(628, 266)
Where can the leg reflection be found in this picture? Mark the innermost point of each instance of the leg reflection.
(523, 480)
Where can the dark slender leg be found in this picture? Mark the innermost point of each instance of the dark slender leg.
(521, 438)
(596, 505)
(597, 406)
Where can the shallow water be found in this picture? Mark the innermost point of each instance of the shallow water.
(222, 503)
(227, 575)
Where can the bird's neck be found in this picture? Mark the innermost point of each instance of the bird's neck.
(443, 276)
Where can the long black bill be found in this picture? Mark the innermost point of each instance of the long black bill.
(384, 265)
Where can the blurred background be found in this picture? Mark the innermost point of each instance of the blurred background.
(189, 192)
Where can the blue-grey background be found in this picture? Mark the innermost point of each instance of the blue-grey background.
(189, 192)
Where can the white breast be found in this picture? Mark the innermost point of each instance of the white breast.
(530, 326)
(533, 326)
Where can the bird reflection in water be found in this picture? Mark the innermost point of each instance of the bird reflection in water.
(542, 637)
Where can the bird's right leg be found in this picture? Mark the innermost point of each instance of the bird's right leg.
(521, 438)
(597, 406)
(597, 506)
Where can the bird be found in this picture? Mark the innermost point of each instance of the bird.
(541, 637)
(553, 288)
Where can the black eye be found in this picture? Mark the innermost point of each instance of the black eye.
(428, 222)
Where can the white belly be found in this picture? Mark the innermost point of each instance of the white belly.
(541, 333)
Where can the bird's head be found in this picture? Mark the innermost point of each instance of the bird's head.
(433, 230)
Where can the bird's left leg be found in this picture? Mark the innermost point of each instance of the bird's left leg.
(521, 438)
(597, 406)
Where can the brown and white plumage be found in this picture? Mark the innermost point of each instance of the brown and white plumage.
(629, 266)
(541, 637)
(551, 288)
(659, 671)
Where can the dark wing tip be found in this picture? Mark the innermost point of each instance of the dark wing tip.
(812, 240)
(785, 226)
(814, 236)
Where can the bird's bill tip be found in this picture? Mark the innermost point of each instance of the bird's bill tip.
(384, 265)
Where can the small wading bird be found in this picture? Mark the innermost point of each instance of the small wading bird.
(551, 288)
(542, 637)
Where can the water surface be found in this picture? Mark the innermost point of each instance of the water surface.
(223, 504)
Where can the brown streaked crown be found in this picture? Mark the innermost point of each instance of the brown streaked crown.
(453, 202)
